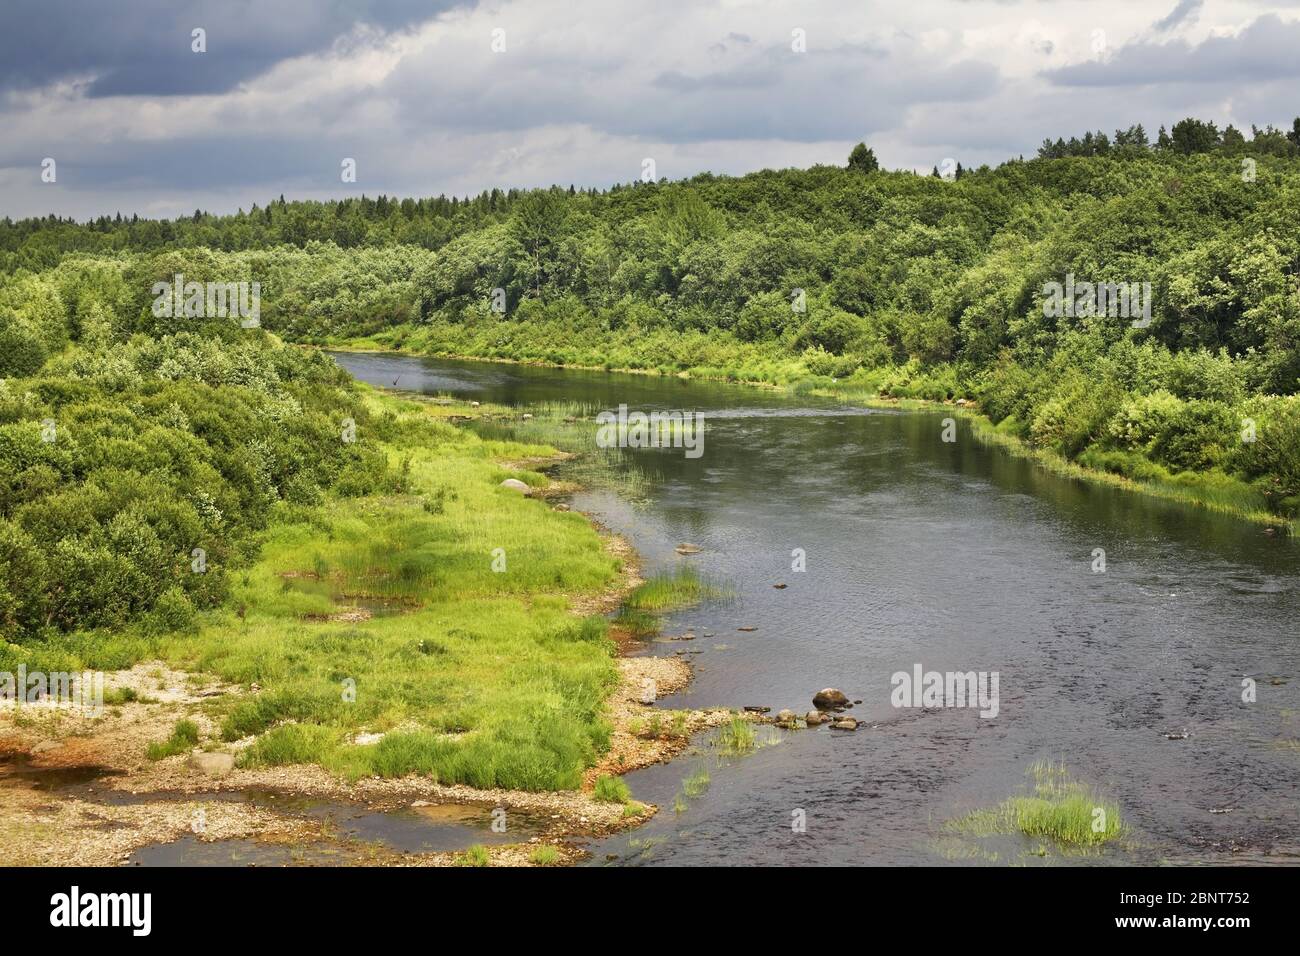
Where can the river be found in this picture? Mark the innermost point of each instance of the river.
(955, 557)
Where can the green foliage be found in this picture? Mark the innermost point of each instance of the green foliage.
(477, 855)
(21, 350)
(1059, 809)
(611, 789)
(737, 737)
(544, 855)
(920, 287)
(862, 159)
(185, 736)
(133, 478)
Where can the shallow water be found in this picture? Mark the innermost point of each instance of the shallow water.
(437, 828)
(956, 557)
(18, 769)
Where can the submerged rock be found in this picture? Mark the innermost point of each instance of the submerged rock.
(687, 548)
(845, 723)
(828, 698)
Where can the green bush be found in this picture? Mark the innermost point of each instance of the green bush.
(611, 790)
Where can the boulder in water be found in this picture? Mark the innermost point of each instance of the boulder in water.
(828, 698)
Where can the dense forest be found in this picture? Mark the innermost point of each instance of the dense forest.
(125, 436)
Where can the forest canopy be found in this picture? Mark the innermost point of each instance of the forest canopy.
(177, 431)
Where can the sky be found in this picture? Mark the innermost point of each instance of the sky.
(455, 96)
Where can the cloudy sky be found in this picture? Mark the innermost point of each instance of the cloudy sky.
(452, 97)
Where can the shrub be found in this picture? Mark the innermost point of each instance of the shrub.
(611, 789)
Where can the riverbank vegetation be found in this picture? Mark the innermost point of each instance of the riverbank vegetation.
(239, 507)
(854, 279)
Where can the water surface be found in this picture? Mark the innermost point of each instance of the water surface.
(957, 557)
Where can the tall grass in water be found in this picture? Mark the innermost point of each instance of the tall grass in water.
(669, 591)
(672, 591)
(737, 737)
(1059, 809)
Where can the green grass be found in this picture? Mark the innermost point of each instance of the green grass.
(636, 623)
(544, 856)
(474, 676)
(670, 591)
(697, 783)
(477, 855)
(1059, 809)
(666, 591)
(1213, 491)
(611, 789)
(185, 736)
(737, 737)
(116, 696)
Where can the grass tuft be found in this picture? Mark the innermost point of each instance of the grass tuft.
(1060, 809)
(610, 789)
(185, 736)
(736, 737)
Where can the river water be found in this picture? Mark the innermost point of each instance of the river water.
(955, 557)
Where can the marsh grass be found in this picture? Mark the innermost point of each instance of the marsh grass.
(696, 784)
(1059, 809)
(668, 591)
(635, 622)
(736, 737)
(671, 591)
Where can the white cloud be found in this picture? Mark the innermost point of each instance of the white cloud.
(585, 90)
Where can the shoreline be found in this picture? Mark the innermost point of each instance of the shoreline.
(982, 429)
(128, 802)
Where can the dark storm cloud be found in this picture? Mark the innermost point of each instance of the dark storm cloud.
(143, 47)
(1264, 51)
(772, 93)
